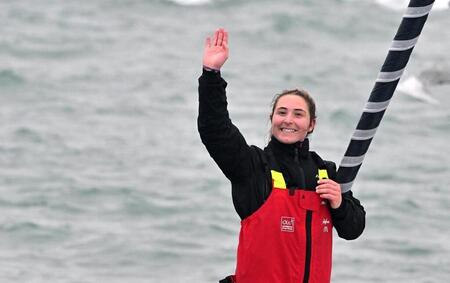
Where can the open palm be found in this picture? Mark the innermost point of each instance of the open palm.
(216, 50)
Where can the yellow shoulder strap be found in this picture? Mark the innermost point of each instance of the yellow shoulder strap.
(278, 180)
(323, 174)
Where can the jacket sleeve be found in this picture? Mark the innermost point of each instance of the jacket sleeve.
(350, 218)
(222, 139)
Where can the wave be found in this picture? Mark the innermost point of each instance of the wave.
(190, 2)
(439, 74)
(9, 77)
(402, 4)
(414, 87)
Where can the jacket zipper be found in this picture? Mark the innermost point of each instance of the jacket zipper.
(308, 246)
(308, 221)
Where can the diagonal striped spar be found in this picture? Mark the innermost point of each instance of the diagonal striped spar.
(401, 48)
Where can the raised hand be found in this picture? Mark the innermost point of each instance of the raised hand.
(216, 50)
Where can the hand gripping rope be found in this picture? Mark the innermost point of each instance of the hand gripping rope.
(401, 48)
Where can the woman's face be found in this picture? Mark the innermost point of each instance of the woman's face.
(291, 120)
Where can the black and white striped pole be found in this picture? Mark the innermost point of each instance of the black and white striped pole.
(404, 41)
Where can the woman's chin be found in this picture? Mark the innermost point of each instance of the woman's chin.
(288, 139)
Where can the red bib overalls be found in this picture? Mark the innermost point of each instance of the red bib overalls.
(287, 240)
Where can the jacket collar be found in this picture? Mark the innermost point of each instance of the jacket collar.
(301, 148)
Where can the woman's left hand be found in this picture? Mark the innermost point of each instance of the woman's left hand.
(330, 190)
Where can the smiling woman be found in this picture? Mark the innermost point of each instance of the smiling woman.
(293, 116)
(285, 194)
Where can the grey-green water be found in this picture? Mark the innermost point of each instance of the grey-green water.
(102, 174)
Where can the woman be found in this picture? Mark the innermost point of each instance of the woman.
(286, 201)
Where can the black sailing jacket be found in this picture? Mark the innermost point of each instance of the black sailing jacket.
(248, 167)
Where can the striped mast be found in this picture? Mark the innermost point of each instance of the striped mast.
(401, 48)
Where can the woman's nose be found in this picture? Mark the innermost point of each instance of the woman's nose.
(288, 118)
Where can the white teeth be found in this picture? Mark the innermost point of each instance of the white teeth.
(288, 130)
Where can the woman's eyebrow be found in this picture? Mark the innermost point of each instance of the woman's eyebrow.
(295, 109)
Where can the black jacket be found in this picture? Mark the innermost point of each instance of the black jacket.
(247, 166)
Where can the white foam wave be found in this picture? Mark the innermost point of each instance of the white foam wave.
(402, 4)
(190, 2)
(413, 87)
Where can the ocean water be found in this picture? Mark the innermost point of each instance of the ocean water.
(103, 177)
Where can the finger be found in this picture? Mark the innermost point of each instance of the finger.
(322, 182)
(225, 41)
(328, 186)
(332, 184)
(220, 38)
(216, 35)
(328, 190)
(326, 181)
(328, 197)
(225, 37)
(327, 193)
(225, 46)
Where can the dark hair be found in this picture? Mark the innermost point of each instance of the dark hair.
(303, 94)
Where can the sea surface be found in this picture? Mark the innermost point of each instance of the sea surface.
(103, 177)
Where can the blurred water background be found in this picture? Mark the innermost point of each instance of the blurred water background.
(103, 177)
